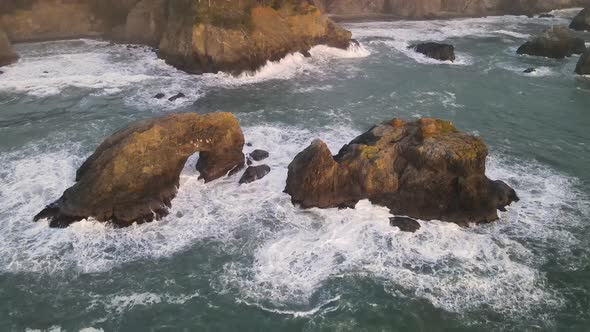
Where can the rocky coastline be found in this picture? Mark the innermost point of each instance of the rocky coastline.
(194, 36)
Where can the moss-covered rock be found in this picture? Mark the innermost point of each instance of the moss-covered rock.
(134, 174)
(242, 36)
(425, 169)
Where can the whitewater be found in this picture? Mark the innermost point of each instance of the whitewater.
(243, 256)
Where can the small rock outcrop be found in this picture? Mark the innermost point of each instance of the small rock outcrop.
(254, 173)
(405, 224)
(529, 70)
(583, 66)
(441, 52)
(258, 155)
(582, 21)
(177, 96)
(134, 174)
(557, 42)
(424, 169)
(7, 54)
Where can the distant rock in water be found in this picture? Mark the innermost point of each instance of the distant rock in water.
(441, 52)
(159, 96)
(529, 70)
(582, 21)
(7, 54)
(424, 169)
(254, 173)
(405, 224)
(177, 96)
(134, 174)
(583, 66)
(546, 15)
(557, 42)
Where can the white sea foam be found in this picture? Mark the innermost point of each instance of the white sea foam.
(322, 307)
(292, 65)
(295, 251)
(53, 67)
(118, 304)
(399, 35)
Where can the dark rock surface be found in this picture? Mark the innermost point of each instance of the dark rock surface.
(254, 173)
(405, 224)
(583, 66)
(258, 155)
(582, 21)
(177, 96)
(441, 52)
(557, 42)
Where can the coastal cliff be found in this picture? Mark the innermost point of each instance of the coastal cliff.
(192, 35)
(418, 9)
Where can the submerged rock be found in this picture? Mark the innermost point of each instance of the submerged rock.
(529, 70)
(424, 169)
(134, 174)
(254, 173)
(258, 155)
(405, 224)
(557, 42)
(546, 15)
(159, 96)
(583, 66)
(177, 96)
(582, 21)
(7, 54)
(441, 52)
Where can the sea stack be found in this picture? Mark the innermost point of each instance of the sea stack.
(424, 169)
(134, 174)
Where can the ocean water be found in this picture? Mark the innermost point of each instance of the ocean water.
(233, 257)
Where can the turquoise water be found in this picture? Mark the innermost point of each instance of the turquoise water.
(233, 257)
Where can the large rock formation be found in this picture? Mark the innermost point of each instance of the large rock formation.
(7, 54)
(557, 42)
(424, 169)
(582, 21)
(583, 66)
(134, 174)
(237, 36)
(193, 35)
(443, 8)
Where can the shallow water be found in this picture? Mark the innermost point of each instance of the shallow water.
(234, 257)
